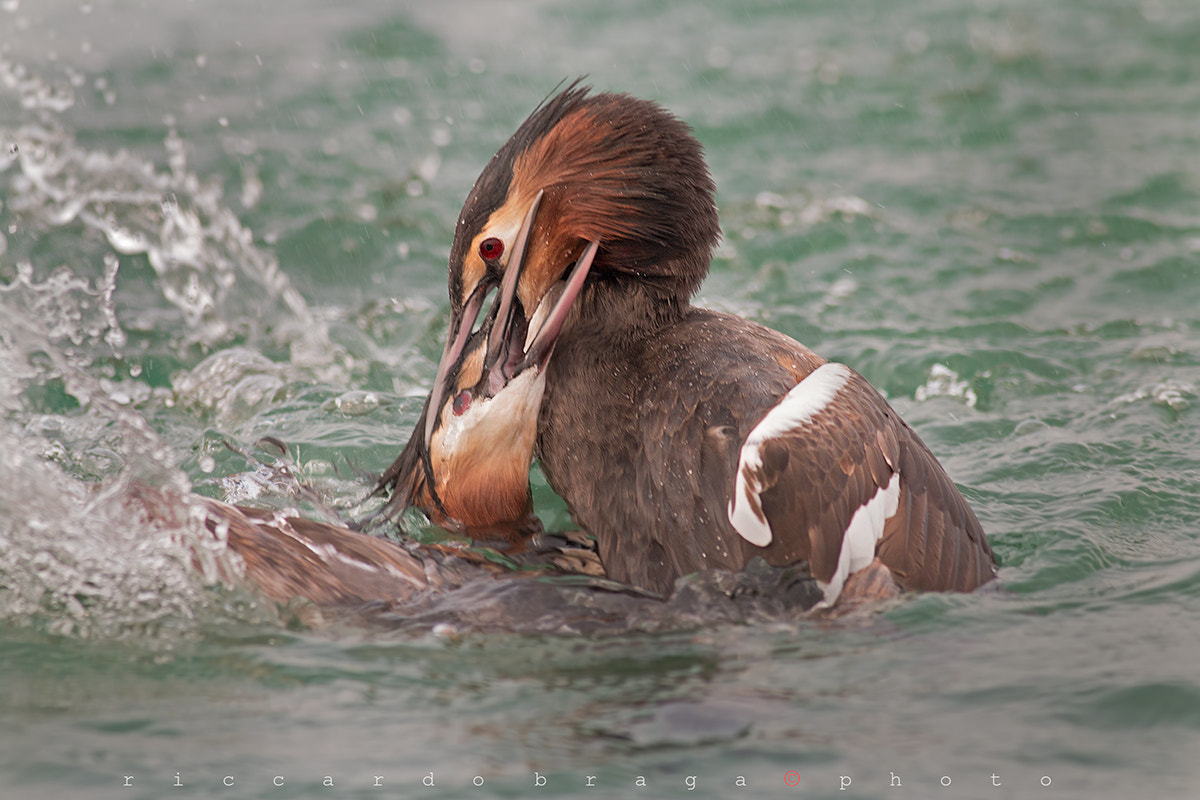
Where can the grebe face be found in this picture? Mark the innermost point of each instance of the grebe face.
(481, 363)
(481, 416)
(487, 411)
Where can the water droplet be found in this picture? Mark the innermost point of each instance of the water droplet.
(429, 167)
(829, 73)
(916, 41)
(356, 403)
(206, 464)
(718, 57)
(125, 241)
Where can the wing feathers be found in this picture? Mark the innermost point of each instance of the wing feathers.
(833, 475)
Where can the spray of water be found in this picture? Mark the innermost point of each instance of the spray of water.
(81, 551)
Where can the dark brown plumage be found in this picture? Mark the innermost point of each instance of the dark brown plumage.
(684, 439)
(653, 482)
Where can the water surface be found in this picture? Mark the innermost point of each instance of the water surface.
(221, 221)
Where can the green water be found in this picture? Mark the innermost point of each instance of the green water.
(224, 220)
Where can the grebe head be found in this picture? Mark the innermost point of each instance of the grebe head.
(467, 462)
(605, 190)
(608, 169)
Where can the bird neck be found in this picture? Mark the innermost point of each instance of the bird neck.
(617, 308)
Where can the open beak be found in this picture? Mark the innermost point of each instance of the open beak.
(510, 350)
(462, 325)
(510, 346)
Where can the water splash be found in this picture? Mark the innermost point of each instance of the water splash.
(68, 305)
(77, 558)
(201, 253)
(944, 382)
(207, 263)
(82, 552)
(1172, 394)
(32, 92)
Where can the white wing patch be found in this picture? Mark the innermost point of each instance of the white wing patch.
(862, 536)
(806, 399)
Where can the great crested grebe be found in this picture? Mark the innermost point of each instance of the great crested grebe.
(682, 439)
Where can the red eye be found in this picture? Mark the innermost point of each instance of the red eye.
(461, 403)
(491, 248)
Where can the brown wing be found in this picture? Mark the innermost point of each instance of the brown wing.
(934, 542)
(832, 467)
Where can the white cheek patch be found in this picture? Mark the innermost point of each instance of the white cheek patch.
(862, 536)
(806, 399)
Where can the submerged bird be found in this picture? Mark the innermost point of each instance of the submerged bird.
(681, 438)
(329, 563)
